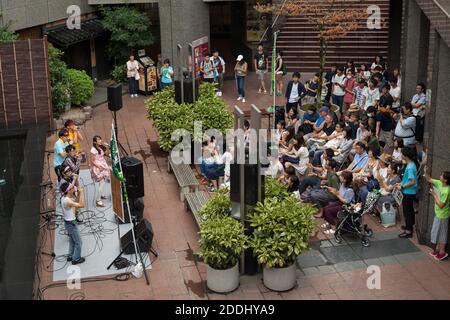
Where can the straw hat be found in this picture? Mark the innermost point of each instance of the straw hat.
(353, 108)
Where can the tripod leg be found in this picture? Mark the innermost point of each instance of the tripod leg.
(153, 251)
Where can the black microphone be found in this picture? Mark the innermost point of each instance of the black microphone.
(46, 184)
(49, 151)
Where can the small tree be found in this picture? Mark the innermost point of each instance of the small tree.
(5, 34)
(130, 29)
(333, 19)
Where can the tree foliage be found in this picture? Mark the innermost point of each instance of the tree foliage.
(130, 29)
(333, 19)
(59, 79)
(6, 35)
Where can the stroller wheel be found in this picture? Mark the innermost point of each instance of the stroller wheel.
(338, 237)
(365, 242)
(369, 232)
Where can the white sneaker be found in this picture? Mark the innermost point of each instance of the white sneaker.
(132, 96)
(239, 99)
(136, 96)
(219, 93)
(243, 100)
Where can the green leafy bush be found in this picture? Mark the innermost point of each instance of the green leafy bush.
(216, 207)
(221, 242)
(274, 189)
(81, 86)
(6, 35)
(59, 79)
(281, 231)
(119, 73)
(168, 115)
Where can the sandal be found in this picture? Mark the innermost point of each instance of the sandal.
(330, 232)
(99, 204)
(325, 226)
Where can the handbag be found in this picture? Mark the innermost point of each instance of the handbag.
(137, 76)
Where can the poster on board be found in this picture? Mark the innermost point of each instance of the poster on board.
(200, 47)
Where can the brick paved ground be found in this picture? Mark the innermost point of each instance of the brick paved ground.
(328, 271)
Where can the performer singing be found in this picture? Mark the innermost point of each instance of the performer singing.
(69, 205)
(99, 168)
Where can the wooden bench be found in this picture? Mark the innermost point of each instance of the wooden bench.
(194, 202)
(185, 177)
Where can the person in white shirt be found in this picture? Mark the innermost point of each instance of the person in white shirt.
(406, 126)
(132, 75)
(219, 66)
(276, 169)
(69, 204)
(361, 94)
(373, 96)
(338, 92)
(419, 101)
(395, 92)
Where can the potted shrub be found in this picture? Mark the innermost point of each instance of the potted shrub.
(217, 206)
(274, 188)
(281, 233)
(221, 242)
(168, 115)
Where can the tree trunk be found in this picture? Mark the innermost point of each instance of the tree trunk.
(322, 69)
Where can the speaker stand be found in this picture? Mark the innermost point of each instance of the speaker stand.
(117, 136)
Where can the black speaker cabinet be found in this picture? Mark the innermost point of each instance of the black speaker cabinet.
(251, 184)
(187, 88)
(133, 171)
(137, 210)
(143, 232)
(115, 97)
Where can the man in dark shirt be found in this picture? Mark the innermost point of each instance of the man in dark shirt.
(384, 128)
(386, 99)
(261, 64)
(309, 119)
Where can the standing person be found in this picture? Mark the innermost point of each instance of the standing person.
(294, 92)
(280, 71)
(60, 151)
(377, 63)
(73, 160)
(406, 126)
(349, 87)
(159, 65)
(409, 187)
(240, 71)
(329, 77)
(261, 64)
(439, 231)
(338, 87)
(373, 94)
(397, 74)
(419, 104)
(69, 205)
(311, 87)
(385, 127)
(166, 74)
(74, 134)
(395, 93)
(207, 69)
(99, 168)
(219, 66)
(386, 100)
(132, 74)
(361, 94)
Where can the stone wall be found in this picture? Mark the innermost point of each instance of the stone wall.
(26, 14)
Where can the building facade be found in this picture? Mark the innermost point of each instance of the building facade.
(426, 59)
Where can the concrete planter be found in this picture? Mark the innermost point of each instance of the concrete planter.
(222, 281)
(280, 279)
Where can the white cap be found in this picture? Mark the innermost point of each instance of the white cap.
(240, 57)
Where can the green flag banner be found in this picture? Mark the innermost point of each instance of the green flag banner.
(115, 158)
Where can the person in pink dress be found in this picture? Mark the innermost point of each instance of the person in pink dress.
(99, 168)
(349, 86)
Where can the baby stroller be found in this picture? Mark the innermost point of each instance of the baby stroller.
(350, 220)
